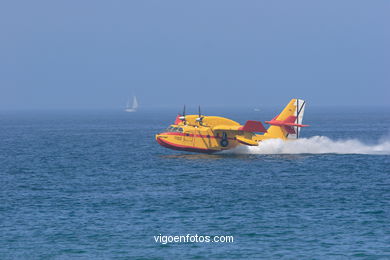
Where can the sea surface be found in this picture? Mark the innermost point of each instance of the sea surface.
(96, 185)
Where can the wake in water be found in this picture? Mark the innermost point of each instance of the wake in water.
(314, 145)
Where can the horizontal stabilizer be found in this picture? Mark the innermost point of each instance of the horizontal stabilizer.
(288, 122)
(290, 119)
(253, 126)
(246, 141)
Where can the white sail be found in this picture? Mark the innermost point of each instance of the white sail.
(135, 103)
(133, 107)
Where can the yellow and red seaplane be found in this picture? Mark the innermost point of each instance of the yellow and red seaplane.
(209, 134)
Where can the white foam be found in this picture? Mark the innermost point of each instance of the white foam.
(314, 145)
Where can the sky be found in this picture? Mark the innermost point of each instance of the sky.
(97, 54)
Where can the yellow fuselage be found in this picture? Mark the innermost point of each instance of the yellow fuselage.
(205, 136)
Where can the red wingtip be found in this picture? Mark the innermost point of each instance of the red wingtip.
(177, 120)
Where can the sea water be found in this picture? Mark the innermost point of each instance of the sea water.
(96, 185)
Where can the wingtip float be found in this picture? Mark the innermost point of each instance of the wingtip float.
(209, 134)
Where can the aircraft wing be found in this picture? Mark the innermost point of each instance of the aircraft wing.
(250, 126)
(227, 127)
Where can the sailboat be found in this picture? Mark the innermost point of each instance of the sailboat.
(133, 107)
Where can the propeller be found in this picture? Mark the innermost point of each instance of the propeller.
(200, 117)
(183, 116)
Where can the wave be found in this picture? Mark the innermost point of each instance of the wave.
(314, 145)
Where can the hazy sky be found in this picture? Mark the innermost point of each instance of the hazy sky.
(94, 54)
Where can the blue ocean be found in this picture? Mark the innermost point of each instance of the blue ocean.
(96, 185)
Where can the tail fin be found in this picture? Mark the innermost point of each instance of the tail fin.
(288, 123)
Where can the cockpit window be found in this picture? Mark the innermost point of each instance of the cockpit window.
(172, 129)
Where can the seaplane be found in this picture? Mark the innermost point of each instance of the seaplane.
(210, 134)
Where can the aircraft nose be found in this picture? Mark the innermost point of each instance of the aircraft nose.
(160, 136)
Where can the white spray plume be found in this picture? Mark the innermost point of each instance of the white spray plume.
(314, 145)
